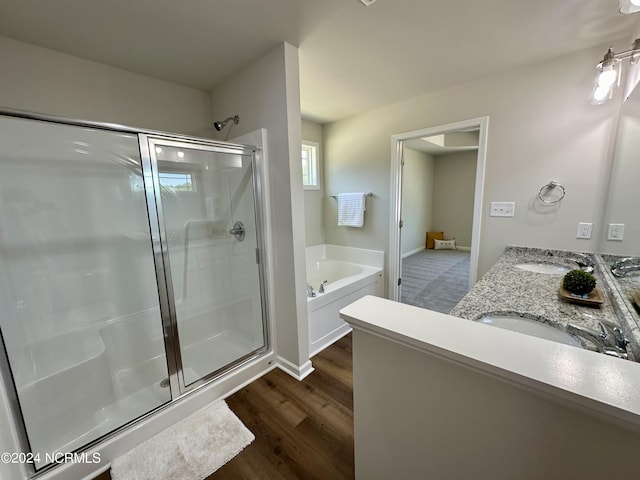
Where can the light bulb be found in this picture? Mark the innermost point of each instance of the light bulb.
(608, 76)
(158, 150)
(180, 154)
(632, 79)
(601, 93)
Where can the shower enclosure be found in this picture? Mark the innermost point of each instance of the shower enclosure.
(130, 274)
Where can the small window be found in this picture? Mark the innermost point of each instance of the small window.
(177, 181)
(310, 177)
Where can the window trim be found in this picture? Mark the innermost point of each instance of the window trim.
(168, 166)
(183, 172)
(314, 146)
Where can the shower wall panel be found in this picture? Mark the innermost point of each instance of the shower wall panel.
(78, 280)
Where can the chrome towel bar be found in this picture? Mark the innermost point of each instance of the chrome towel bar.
(335, 195)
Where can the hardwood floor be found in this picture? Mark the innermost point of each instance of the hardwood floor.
(304, 430)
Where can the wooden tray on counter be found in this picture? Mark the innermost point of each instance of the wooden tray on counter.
(595, 298)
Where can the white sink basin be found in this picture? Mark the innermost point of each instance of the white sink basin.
(530, 327)
(546, 268)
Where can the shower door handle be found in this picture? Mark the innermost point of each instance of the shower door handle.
(238, 231)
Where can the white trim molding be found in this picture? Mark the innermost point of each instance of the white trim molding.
(299, 372)
(395, 194)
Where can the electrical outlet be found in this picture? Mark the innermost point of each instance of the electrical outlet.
(503, 209)
(616, 231)
(584, 230)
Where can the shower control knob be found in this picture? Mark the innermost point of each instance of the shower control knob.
(238, 231)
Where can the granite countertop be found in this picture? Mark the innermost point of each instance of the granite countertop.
(623, 287)
(506, 289)
(627, 285)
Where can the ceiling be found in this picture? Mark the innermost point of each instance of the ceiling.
(446, 143)
(352, 58)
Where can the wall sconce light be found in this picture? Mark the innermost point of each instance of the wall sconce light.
(610, 71)
(629, 6)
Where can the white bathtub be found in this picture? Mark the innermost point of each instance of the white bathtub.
(351, 273)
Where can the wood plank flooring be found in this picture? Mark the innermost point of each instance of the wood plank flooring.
(303, 430)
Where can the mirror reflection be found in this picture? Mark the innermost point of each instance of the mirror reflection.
(622, 230)
(620, 242)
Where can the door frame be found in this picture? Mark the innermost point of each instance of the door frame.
(395, 195)
(164, 277)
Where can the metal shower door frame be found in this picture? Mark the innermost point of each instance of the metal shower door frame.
(148, 144)
(160, 254)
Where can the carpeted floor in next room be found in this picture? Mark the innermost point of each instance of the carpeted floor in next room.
(435, 279)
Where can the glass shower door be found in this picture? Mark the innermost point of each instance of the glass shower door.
(80, 319)
(205, 196)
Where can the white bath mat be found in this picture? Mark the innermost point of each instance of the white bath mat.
(192, 449)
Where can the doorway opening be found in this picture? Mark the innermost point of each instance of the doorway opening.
(437, 179)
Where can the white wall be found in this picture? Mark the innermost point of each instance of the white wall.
(417, 195)
(45, 81)
(453, 195)
(541, 128)
(314, 199)
(266, 95)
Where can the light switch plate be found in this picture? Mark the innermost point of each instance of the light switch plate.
(503, 209)
(584, 230)
(616, 231)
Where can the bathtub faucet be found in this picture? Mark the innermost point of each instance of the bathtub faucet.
(321, 289)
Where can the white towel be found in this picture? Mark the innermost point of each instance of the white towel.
(351, 207)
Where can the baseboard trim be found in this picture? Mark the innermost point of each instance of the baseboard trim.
(408, 254)
(412, 252)
(299, 372)
(329, 339)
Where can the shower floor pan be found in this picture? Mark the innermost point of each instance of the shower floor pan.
(211, 354)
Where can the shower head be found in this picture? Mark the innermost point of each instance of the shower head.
(220, 125)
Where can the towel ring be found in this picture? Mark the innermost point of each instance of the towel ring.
(550, 186)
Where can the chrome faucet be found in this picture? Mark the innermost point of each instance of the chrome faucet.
(625, 265)
(321, 289)
(310, 291)
(595, 338)
(584, 262)
(610, 340)
(622, 271)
